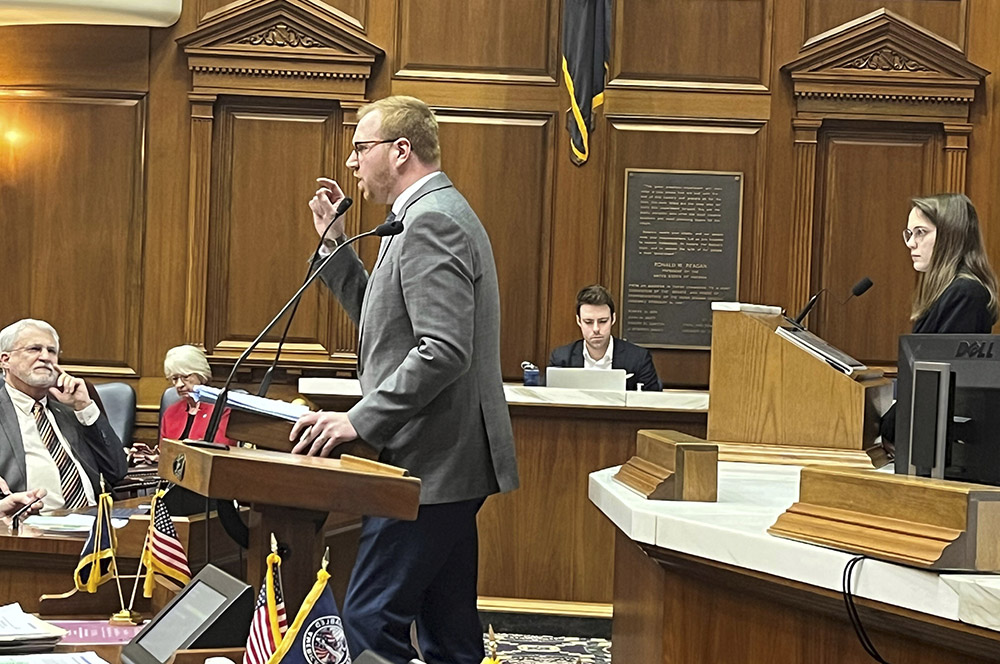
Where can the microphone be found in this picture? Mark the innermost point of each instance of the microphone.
(383, 230)
(859, 288)
(265, 383)
(806, 309)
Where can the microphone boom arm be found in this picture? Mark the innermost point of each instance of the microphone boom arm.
(213, 424)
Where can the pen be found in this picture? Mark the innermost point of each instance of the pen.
(24, 508)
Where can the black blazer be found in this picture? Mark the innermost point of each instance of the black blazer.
(633, 359)
(963, 308)
(97, 447)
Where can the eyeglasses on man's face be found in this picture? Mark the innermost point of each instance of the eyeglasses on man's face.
(34, 350)
(362, 147)
(917, 234)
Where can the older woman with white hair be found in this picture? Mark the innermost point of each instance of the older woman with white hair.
(187, 367)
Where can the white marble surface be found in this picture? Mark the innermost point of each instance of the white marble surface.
(978, 598)
(687, 400)
(151, 13)
(734, 531)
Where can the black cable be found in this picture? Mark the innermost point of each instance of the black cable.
(852, 611)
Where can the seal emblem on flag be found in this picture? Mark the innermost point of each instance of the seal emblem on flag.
(324, 642)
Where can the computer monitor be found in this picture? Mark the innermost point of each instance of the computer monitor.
(948, 407)
(213, 611)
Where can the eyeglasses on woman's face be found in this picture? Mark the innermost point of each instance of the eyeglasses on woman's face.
(918, 234)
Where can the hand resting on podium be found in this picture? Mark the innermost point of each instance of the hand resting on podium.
(318, 433)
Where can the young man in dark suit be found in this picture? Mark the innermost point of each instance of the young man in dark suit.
(598, 349)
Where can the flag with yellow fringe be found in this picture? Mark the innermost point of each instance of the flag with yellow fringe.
(98, 556)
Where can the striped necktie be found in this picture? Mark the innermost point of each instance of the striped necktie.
(74, 496)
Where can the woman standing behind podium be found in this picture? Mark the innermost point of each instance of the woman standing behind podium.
(956, 287)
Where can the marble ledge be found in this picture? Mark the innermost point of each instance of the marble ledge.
(733, 531)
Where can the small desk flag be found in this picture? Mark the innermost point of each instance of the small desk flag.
(317, 634)
(164, 553)
(97, 558)
(269, 622)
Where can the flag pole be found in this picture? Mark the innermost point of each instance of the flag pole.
(125, 616)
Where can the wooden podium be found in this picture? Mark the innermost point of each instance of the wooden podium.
(290, 496)
(773, 402)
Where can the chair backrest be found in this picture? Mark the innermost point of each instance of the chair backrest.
(169, 398)
(118, 401)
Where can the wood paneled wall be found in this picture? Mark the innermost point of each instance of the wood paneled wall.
(125, 234)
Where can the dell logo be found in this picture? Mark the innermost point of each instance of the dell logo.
(975, 349)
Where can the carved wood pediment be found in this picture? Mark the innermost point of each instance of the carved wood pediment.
(884, 58)
(294, 47)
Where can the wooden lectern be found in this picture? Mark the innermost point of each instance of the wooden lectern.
(773, 402)
(290, 496)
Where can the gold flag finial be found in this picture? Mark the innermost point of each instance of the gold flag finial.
(274, 543)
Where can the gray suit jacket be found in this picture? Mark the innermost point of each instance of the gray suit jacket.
(429, 349)
(96, 447)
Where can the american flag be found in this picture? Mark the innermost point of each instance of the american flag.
(164, 553)
(269, 620)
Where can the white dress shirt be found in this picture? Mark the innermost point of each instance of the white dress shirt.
(604, 362)
(42, 471)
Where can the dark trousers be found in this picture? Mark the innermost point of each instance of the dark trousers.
(424, 571)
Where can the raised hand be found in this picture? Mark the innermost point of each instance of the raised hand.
(70, 390)
(323, 205)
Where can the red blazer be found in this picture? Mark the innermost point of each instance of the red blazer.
(174, 420)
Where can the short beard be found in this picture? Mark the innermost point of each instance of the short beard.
(40, 382)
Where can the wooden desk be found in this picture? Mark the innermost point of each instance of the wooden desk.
(33, 563)
(546, 544)
(704, 582)
(671, 607)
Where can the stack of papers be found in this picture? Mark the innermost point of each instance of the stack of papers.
(55, 658)
(22, 632)
(69, 523)
(253, 404)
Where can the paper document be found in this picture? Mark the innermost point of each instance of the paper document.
(253, 404)
(89, 657)
(69, 523)
(22, 632)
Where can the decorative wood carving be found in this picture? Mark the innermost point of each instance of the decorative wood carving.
(289, 47)
(880, 66)
(300, 49)
(897, 68)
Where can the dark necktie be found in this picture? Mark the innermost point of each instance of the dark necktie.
(384, 246)
(74, 496)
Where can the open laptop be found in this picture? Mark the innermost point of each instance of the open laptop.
(585, 379)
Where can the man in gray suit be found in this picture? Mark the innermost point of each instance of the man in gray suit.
(53, 436)
(428, 317)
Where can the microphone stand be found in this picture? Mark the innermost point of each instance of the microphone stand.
(265, 382)
(385, 229)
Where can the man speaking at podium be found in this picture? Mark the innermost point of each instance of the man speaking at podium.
(428, 318)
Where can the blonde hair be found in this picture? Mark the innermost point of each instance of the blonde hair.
(409, 118)
(958, 251)
(186, 360)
